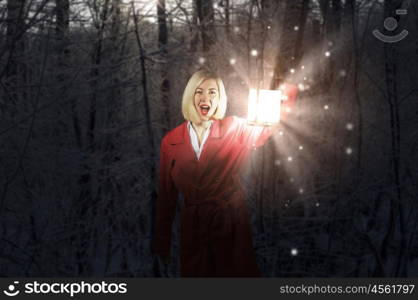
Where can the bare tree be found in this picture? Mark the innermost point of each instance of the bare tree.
(290, 52)
(206, 19)
(15, 65)
(163, 46)
(397, 204)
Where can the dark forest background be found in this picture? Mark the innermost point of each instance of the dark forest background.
(89, 87)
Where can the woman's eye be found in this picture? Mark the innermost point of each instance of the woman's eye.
(198, 92)
(213, 92)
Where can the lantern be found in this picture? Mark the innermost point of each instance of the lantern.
(264, 106)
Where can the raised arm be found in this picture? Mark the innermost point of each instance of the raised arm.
(255, 135)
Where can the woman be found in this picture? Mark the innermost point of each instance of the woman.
(203, 159)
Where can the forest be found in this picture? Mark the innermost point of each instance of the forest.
(88, 88)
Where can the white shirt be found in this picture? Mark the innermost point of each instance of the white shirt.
(195, 140)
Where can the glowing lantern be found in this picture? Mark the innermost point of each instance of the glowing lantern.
(264, 106)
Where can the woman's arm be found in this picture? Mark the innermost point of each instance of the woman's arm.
(165, 205)
(255, 136)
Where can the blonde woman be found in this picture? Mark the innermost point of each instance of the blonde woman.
(203, 159)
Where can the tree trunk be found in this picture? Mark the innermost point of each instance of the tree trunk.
(15, 41)
(150, 132)
(336, 15)
(163, 44)
(391, 69)
(291, 41)
(227, 19)
(206, 18)
(194, 28)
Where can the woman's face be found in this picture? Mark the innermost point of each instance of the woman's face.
(206, 99)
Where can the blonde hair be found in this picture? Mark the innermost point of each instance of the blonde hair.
(187, 105)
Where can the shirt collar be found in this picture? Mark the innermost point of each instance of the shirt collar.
(182, 134)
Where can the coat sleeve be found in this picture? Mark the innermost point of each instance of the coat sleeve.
(254, 136)
(166, 203)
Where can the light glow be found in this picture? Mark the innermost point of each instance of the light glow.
(254, 52)
(301, 87)
(264, 106)
(232, 61)
(294, 252)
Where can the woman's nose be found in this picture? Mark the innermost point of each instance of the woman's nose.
(204, 97)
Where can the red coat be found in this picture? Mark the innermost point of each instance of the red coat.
(215, 225)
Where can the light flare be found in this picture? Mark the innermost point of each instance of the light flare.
(264, 106)
(294, 252)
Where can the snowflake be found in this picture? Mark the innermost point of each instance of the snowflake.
(349, 126)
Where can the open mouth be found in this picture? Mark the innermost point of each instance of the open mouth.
(204, 109)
